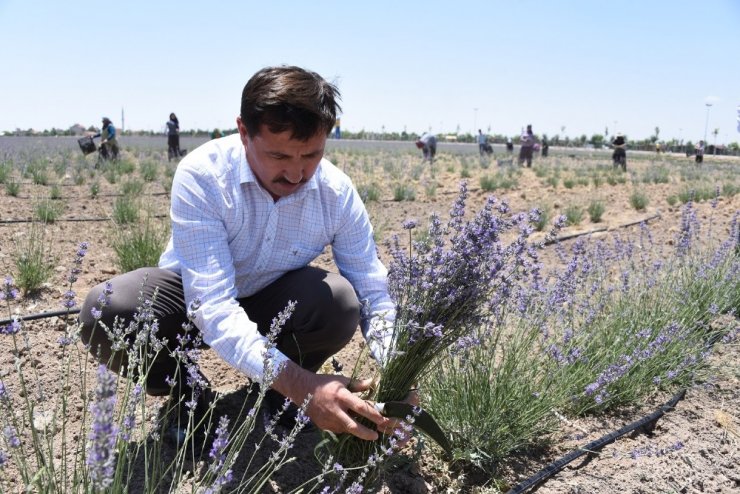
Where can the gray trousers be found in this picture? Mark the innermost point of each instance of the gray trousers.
(326, 317)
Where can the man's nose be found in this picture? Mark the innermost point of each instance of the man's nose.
(294, 176)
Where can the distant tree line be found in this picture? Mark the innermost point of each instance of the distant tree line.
(596, 141)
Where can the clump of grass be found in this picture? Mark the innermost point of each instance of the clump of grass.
(48, 210)
(465, 172)
(125, 210)
(488, 183)
(729, 189)
(148, 170)
(569, 183)
(596, 210)
(404, 192)
(430, 190)
(639, 200)
(12, 188)
(543, 220)
(140, 245)
(573, 214)
(33, 259)
(132, 187)
(672, 200)
(597, 180)
(55, 192)
(369, 192)
(94, 189)
(553, 181)
(5, 172)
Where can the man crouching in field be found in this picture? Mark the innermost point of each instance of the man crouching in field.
(249, 213)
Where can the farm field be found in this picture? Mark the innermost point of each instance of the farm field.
(694, 448)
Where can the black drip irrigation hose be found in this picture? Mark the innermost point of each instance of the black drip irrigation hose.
(647, 424)
(42, 315)
(5, 222)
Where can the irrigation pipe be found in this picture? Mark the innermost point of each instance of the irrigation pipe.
(647, 424)
(41, 315)
(4, 222)
(600, 229)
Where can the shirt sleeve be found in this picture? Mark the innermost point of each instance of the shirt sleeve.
(356, 257)
(200, 243)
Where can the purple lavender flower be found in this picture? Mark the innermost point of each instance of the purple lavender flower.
(69, 299)
(4, 393)
(101, 451)
(129, 417)
(13, 328)
(410, 224)
(8, 290)
(11, 437)
(3, 459)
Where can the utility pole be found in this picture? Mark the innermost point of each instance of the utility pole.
(122, 121)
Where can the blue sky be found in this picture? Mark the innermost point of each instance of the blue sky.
(582, 65)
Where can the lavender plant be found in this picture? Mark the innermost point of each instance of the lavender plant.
(113, 441)
(581, 340)
(442, 289)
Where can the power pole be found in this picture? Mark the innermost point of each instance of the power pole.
(122, 121)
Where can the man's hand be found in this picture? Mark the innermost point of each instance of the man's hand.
(412, 399)
(333, 406)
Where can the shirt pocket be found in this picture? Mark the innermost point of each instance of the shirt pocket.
(300, 255)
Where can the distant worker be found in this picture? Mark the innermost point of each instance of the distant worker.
(545, 146)
(526, 150)
(699, 151)
(108, 142)
(509, 146)
(338, 130)
(619, 156)
(173, 137)
(483, 146)
(216, 134)
(428, 145)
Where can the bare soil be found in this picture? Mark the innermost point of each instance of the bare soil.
(706, 423)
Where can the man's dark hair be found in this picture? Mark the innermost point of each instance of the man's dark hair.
(289, 98)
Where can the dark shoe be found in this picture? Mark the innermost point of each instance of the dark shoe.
(182, 430)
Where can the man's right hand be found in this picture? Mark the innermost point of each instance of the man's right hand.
(334, 406)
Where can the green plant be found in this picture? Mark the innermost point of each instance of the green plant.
(596, 210)
(671, 200)
(148, 170)
(465, 172)
(369, 192)
(568, 183)
(404, 192)
(573, 214)
(140, 245)
(125, 210)
(55, 192)
(639, 200)
(488, 183)
(33, 258)
(48, 210)
(132, 187)
(94, 189)
(5, 172)
(544, 218)
(12, 188)
(553, 181)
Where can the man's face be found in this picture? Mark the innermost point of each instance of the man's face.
(281, 164)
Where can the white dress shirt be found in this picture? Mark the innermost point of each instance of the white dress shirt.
(230, 239)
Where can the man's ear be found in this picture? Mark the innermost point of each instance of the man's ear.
(242, 131)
